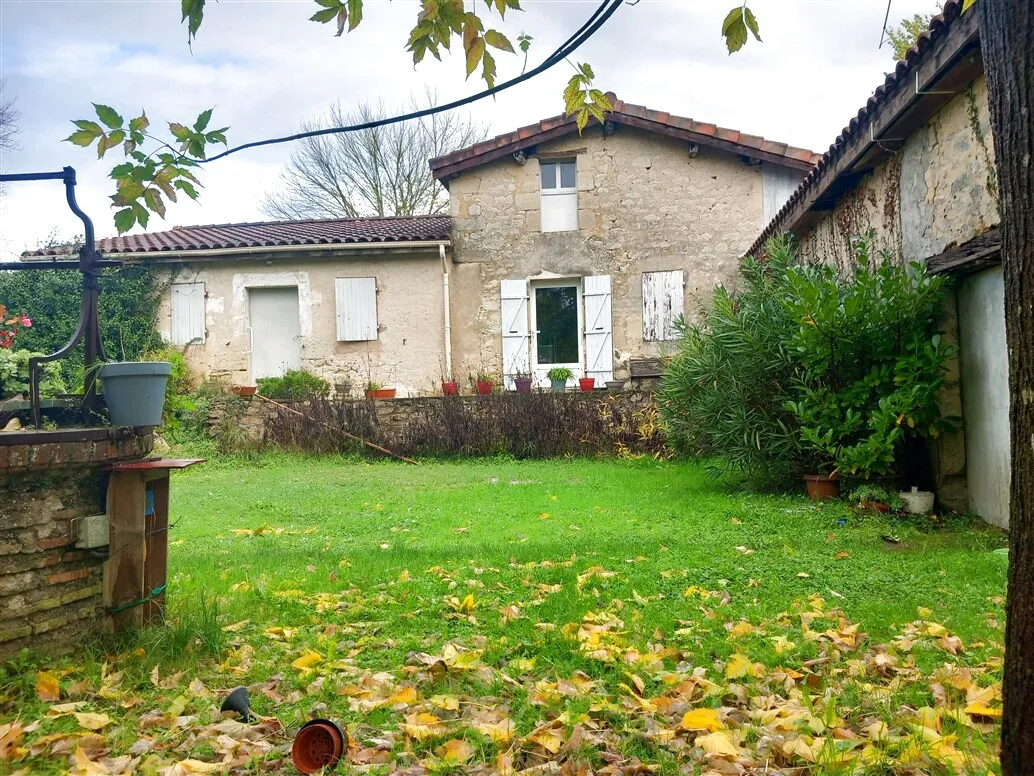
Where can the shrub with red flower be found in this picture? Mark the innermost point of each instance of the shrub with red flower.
(9, 326)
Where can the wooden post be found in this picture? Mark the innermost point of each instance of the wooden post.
(124, 568)
(156, 569)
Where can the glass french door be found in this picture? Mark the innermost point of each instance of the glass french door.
(557, 326)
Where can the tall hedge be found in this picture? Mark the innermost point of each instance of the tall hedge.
(129, 299)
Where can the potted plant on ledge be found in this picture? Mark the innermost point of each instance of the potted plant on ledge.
(586, 384)
(522, 381)
(558, 377)
(484, 383)
(375, 391)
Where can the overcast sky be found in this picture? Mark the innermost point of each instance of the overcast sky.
(265, 68)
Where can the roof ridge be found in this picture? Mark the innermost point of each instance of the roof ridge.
(350, 219)
(626, 113)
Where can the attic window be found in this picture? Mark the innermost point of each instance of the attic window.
(559, 200)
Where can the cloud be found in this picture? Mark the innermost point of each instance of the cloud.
(266, 68)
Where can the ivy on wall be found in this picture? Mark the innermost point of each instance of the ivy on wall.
(129, 299)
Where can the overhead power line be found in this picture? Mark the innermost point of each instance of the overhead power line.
(603, 12)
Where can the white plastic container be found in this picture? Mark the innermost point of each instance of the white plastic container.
(917, 502)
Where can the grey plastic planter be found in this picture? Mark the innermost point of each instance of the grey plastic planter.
(558, 386)
(135, 391)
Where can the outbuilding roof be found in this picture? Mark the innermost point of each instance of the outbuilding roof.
(627, 114)
(944, 59)
(269, 234)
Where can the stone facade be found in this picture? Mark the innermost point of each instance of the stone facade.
(645, 203)
(51, 594)
(939, 190)
(408, 353)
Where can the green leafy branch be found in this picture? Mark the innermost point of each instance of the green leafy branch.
(584, 101)
(735, 27)
(146, 180)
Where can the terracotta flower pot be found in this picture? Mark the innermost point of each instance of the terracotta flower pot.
(822, 487)
(244, 390)
(522, 384)
(319, 744)
(450, 388)
(586, 383)
(484, 387)
(875, 506)
(380, 393)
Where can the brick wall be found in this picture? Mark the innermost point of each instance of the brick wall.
(50, 592)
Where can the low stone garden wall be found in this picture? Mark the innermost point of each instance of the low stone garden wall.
(50, 592)
(535, 425)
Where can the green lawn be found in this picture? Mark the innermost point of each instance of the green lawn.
(555, 612)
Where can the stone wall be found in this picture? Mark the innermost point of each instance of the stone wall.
(940, 190)
(50, 592)
(388, 420)
(645, 203)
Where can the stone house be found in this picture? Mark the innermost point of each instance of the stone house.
(916, 167)
(569, 249)
(350, 299)
(581, 250)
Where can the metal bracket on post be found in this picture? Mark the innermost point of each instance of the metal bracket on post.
(88, 328)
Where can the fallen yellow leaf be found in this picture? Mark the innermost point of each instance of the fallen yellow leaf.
(307, 660)
(983, 710)
(91, 721)
(718, 744)
(455, 751)
(702, 719)
(738, 666)
(47, 687)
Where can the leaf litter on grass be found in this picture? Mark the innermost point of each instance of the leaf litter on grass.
(800, 693)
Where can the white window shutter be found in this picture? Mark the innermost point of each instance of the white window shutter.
(599, 332)
(188, 314)
(559, 212)
(513, 319)
(356, 309)
(663, 303)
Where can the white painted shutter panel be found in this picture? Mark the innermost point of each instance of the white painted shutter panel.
(356, 309)
(188, 314)
(599, 332)
(663, 302)
(513, 318)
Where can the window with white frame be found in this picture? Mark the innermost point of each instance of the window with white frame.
(356, 309)
(663, 303)
(187, 326)
(559, 200)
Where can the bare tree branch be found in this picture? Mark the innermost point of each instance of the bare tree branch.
(375, 172)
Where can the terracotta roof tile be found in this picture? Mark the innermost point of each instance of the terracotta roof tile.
(640, 116)
(278, 233)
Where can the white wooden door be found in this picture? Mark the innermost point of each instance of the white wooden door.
(599, 336)
(513, 317)
(274, 331)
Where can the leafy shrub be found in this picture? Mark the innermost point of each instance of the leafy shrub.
(295, 385)
(128, 305)
(723, 393)
(14, 375)
(871, 361)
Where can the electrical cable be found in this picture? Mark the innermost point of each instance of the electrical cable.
(600, 16)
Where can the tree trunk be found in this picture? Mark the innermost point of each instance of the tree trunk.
(1007, 41)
